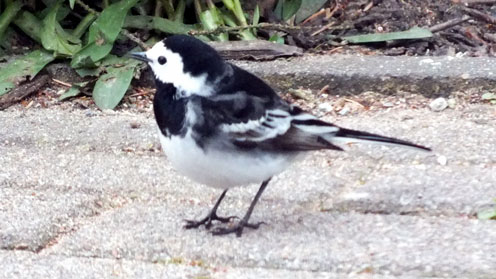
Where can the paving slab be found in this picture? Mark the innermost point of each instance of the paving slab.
(352, 74)
(31, 220)
(88, 188)
(17, 264)
(297, 239)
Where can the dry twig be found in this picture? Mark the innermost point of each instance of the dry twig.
(224, 29)
(472, 2)
(448, 24)
(324, 28)
(61, 82)
(21, 92)
(314, 16)
(479, 15)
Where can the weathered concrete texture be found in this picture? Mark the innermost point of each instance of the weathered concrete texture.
(429, 76)
(31, 220)
(306, 240)
(29, 265)
(93, 195)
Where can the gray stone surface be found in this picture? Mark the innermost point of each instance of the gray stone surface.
(92, 195)
(351, 74)
(18, 264)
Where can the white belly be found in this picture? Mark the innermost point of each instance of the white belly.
(221, 169)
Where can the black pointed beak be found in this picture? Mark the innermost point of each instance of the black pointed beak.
(141, 56)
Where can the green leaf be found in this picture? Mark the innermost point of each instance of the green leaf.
(71, 92)
(71, 4)
(488, 96)
(229, 4)
(276, 39)
(413, 33)
(308, 8)
(69, 37)
(61, 13)
(88, 71)
(228, 18)
(103, 33)
(256, 16)
(111, 87)
(29, 24)
(179, 12)
(54, 38)
(287, 8)
(19, 69)
(8, 15)
(487, 214)
(157, 23)
(85, 57)
(210, 20)
(110, 22)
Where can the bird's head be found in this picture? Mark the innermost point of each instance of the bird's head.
(188, 63)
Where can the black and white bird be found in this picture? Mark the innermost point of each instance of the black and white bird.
(224, 127)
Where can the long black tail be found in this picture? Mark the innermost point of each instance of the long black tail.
(350, 136)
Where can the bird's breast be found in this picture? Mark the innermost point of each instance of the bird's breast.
(221, 167)
(170, 112)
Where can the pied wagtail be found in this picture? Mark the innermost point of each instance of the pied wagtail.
(223, 126)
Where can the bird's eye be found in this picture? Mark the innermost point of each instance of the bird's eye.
(162, 60)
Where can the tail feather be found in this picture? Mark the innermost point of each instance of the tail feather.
(350, 136)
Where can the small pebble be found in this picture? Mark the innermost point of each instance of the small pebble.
(344, 111)
(90, 113)
(325, 107)
(442, 160)
(438, 104)
(451, 103)
(134, 125)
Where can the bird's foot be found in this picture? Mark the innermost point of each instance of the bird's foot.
(236, 228)
(207, 221)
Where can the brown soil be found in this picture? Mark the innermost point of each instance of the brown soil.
(475, 37)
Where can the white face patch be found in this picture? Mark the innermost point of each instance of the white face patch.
(172, 71)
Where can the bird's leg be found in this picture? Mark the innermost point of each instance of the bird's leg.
(207, 221)
(238, 228)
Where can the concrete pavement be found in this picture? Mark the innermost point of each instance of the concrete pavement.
(353, 74)
(88, 194)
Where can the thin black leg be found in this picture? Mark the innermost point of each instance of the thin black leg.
(238, 228)
(207, 221)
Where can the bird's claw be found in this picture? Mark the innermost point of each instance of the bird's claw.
(207, 221)
(237, 228)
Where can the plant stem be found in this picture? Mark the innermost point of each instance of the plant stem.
(105, 3)
(198, 9)
(83, 25)
(169, 8)
(158, 8)
(29, 24)
(157, 23)
(86, 7)
(8, 15)
(179, 12)
(222, 29)
(123, 31)
(135, 39)
(238, 12)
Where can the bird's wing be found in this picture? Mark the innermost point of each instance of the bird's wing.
(252, 115)
(285, 128)
(296, 130)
